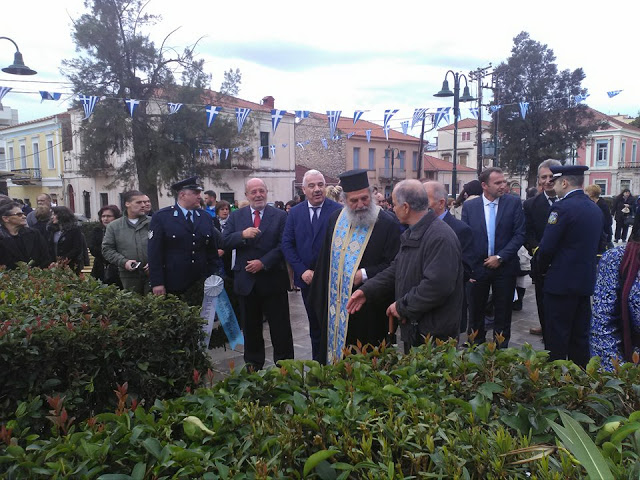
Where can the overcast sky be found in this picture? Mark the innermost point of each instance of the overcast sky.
(347, 55)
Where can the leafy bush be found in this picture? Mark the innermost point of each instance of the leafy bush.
(440, 412)
(76, 338)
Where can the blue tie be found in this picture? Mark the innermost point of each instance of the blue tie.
(492, 228)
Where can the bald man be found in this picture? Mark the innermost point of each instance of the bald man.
(260, 278)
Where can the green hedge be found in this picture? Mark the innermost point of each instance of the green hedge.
(440, 412)
(77, 338)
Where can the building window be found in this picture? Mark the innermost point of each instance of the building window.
(623, 151)
(465, 136)
(414, 161)
(356, 157)
(264, 143)
(625, 185)
(463, 160)
(86, 197)
(602, 153)
(372, 159)
(402, 156)
(229, 197)
(447, 158)
(104, 199)
(50, 160)
(23, 156)
(11, 164)
(36, 154)
(634, 152)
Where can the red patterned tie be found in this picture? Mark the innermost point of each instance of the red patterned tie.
(256, 219)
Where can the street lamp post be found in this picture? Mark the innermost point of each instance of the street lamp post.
(18, 67)
(466, 97)
(393, 161)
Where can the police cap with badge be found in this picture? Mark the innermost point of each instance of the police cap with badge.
(190, 183)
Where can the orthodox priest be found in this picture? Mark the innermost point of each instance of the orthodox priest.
(361, 241)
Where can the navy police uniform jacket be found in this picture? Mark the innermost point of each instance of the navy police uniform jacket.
(569, 246)
(181, 252)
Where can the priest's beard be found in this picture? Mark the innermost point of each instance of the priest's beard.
(363, 218)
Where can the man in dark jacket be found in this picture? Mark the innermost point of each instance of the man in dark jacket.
(426, 275)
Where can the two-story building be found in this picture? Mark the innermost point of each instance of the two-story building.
(33, 155)
(8, 117)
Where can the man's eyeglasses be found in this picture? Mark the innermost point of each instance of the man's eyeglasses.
(17, 214)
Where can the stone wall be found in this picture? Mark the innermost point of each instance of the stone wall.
(330, 161)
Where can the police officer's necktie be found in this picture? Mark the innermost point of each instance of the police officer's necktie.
(492, 228)
(189, 217)
(553, 200)
(256, 219)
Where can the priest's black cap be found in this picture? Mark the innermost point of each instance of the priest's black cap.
(568, 170)
(187, 184)
(354, 180)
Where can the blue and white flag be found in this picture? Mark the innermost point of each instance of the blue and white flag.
(210, 152)
(349, 135)
(441, 114)
(236, 150)
(88, 103)
(405, 126)
(474, 112)
(241, 116)
(261, 149)
(368, 133)
(418, 115)
(387, 116)
(356, 115)
(299, 144)
(220, 154)
(325, 144)
(226, 153)
(212, 113)
(273, 150)
(336, 138)
(174, 107)
(276, 116)
(613, 93)
(334, 116)
(4, 91)
(285, 145)
(302, 114)
(581, 98)
(524, 108)
(49, 96)
(247, 149)
(131, 105)
(494, 108)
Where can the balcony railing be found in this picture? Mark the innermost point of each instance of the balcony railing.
(384, 173)
(26, 176)
(628, 165)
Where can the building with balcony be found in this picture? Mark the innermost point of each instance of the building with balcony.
(8, 117)
(33, 156)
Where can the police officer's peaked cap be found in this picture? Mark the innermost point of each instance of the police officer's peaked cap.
(354, 180)
(568, 170)
(187, 184)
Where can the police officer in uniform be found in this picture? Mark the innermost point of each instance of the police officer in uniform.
(567, 257)
(183, 245)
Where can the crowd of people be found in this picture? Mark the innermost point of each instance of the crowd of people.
(365, 263)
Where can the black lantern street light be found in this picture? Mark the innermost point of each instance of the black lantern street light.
(393, 161)
(466, 97)
(18, 67)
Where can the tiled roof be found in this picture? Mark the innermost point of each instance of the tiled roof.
(30, 122)
(610, 119)
(466, 123)
(435, 164)
(359, 129)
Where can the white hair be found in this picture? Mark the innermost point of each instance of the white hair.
(309, 173)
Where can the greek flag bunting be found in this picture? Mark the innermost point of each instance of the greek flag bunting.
(210, 152)
(494, 108)
(524, 107)
(276, 116)
(131, 105)
(334, 116)
(325, 144)
(356, 115)
(474, 112)
(88, 103)
(387, 116)
(302, 114)
(405, 126)
(441, 114)
(261, 150)
(220, 154)
(4, 91)
(174, 108)
(241, 116)
(580, 98)
(236, 150)
(418, 115)
(285, 145)
(613, 93)
(299, 144)
(49, 96)
(212, 113)
(226, 153)
(368, 133)
(273, 150)
(349, 135)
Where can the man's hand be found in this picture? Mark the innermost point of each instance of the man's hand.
(251, 232)
(356, 301)
(159, 290)
(220, 253)
(492, 262)
(254, 266)
(307, 276)
(392, 312)
(357, 281)
(129, 265)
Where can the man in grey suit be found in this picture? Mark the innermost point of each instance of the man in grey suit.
(260, 274)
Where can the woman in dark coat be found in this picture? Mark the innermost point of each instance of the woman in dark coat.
(18, 243)
(103, 270)
(622, 209)
(66, 241)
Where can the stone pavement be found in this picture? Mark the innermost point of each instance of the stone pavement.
(223, 358)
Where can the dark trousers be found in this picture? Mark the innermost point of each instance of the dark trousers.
(502, 286)
(539, 285)
(567, 320)
(621, 230)
(275, 307)
(314, 325)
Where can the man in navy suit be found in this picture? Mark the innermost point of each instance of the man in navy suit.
(437, 195)
(183, 246)
(260, 274)
(497, 223)
(567, 257)
(536, 214)
(303, 236)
